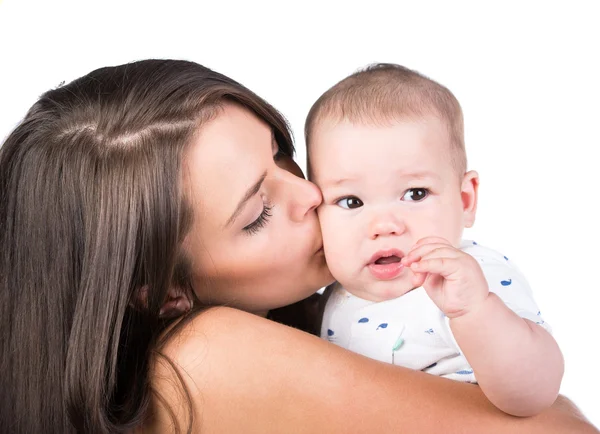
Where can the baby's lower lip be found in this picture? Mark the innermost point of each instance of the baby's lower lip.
(386, 271)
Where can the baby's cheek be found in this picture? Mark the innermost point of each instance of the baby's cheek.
(338, 242)
(330, 236)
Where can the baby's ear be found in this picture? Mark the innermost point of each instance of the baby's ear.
(468, 193)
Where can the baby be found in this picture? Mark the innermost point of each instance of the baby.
(386, 147)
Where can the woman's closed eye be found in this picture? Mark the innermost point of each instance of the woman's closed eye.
(415, 194)
(260, 221)
(349, 202)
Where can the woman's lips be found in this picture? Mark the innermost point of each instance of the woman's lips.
(387, 270)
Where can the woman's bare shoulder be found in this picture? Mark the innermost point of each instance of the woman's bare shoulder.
(221, 332)
(243, 373)
(211, 338)
(227, 359)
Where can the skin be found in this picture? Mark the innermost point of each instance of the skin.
(392, 191)
(245, 262)
(247, 374)
(371, 190)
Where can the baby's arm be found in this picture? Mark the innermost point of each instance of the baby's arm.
(516, 362)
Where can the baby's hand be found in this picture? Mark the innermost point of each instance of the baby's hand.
(452, 278)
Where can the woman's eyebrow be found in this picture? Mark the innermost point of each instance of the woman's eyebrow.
(249, 194)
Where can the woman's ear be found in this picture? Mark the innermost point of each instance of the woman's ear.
(177, 304)
(468, 193)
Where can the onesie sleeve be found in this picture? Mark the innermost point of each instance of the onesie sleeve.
(507, 282)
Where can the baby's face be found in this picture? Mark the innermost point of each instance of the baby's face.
(384, 188)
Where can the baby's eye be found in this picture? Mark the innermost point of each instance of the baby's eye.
(415, 194)
(350, 202)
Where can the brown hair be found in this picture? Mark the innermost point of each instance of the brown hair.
(386, 92)
(92, 210)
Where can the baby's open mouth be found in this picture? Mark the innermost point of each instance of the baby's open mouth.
(386, 264)
(388, 260)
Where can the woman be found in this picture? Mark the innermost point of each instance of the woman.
(132, 199)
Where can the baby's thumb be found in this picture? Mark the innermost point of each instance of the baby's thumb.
(418, 279)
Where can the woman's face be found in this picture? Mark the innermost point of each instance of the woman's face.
(255, 242)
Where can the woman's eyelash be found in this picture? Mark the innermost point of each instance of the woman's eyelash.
(260, 222)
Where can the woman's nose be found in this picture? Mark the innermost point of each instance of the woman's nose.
(385, 224)
(303, 196)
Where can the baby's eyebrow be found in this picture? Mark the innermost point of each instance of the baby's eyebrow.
(254, 188)
(420, 175)
(328, 183)
(404, 176)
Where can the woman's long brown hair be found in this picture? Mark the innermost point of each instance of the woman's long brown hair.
(91, 211)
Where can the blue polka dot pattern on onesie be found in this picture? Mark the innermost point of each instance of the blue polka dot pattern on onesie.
(429, 331)
(330, 332)
(541, 321)
(465, 372)
(506, 282)
(363, 320)
(382, 326)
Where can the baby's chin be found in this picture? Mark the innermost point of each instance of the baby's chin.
(379, 291)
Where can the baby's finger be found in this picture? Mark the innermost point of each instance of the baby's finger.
(418, 279)
(432, 240)
(425, 250)
(443, 266)
(443, 252)
(417, 252)
(432, 284)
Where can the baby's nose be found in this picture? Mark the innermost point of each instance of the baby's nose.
(385, 224)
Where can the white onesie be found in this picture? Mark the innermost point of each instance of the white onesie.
(411, 330)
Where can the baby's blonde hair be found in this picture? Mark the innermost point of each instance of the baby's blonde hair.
(384, 92)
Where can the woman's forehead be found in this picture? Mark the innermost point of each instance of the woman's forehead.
(228, 154)
(235, 132)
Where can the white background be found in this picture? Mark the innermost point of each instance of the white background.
(526, 74)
